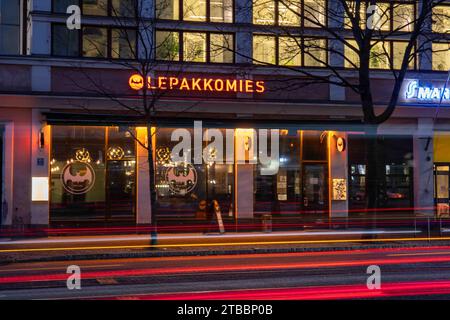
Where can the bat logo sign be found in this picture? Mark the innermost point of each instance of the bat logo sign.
(78, 177)
(136, 82)
(182, 178)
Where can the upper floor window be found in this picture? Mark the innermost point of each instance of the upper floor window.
(309, 13)
(441, 56)
(385, 16)
(383, 55)
(9, 27)
(441, 19)
(195, 10)
(94, 42)
(292, 51)
(118, 8)
(194, 46)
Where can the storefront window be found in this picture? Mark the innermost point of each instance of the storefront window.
(351, 56)
(289, 13)
(96, 7)
(300, 187)
(93, 174)
(314, 13)
(395, 171)
(167, 9)
(185, 190)
(403, 19)
(379, 55)
(264, 12)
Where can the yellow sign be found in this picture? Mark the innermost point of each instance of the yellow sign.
(136, 82)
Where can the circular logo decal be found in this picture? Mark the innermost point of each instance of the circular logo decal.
(115, 153)
(182, 178)
(78, 177)
(136, 82)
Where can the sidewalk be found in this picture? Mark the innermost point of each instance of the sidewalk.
(137, 246)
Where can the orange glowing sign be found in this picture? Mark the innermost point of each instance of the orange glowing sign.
(136, 82)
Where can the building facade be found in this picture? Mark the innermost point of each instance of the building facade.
(72, 155)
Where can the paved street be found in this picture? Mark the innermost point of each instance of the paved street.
(405, 273)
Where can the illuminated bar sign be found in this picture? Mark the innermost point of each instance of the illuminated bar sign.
(136, 82)
(415, 91)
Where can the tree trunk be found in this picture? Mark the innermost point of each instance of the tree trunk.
(151, 185)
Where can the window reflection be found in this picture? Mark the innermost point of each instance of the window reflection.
(92, 174)
(95, 42)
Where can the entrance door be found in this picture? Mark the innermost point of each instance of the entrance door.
(315, 188)
(441, 188)
(120, 190)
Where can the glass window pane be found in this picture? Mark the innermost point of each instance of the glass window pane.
(314, 13)
(167, 9)
(315, 145)
(441, 56)
(9, 39)
(65, 42)
(403, 18)
(167, 45)
(379, 56)
(95, 42)
(194, 10)
(381, 17)
(362, 14)
(221, 10)
(60, 6)
(315, 52)
(222, 47)
(264, 49)
(95, 7)
(351, 57)
(123, 8)
(264, 12)
(290, 52)
(10, 12)
(77, 170)
(123, 43)
(194, 47)
(289, 12)
(399, 53)
(441, 19)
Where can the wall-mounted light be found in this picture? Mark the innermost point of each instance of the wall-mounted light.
(41, 139)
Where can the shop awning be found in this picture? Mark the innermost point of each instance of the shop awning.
(63, 118)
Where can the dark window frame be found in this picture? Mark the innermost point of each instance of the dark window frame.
(301, 16)
(208, 14)
(80, 41)
(391, 58)
(109, 9)
(302, 58)
(208, 46)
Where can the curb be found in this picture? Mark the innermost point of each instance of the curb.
(162, 253)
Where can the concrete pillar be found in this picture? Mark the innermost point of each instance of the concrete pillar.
(143, 205)
(423, 167)
(338, 173)
(146, 40)
(244, 195)
(40, 209)
(244, 37)
(8, 174)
